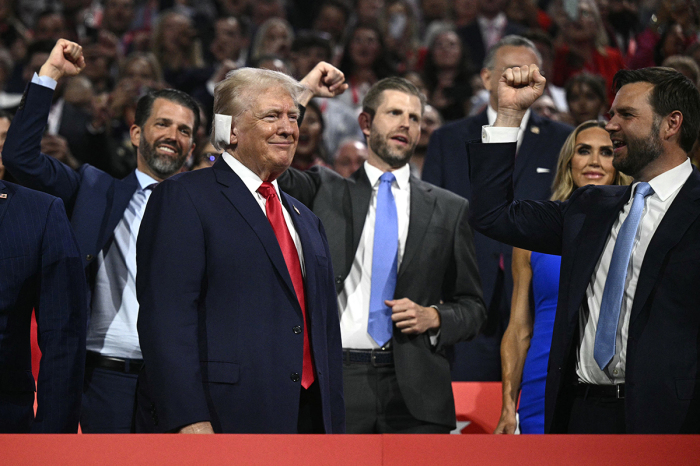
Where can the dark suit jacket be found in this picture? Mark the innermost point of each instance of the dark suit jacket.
(662, 379)
(474, 42)
(219, 320)
(41, 270)
(446, 165)
(94, 200)
(438, 265)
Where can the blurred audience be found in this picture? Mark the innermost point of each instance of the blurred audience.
(430, 122)
(587, 99)
(350, 156)
(311, 150)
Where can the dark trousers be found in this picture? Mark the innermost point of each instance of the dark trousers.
(109, 399)
(16, 412)
(596, 415)
(374, 404)
(310, 411)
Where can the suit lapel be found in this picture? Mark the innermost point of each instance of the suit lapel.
(360, 197)
(422, 208)
(591, 241)
(123, 192)
(242, 200)
(5, 198)
(684, 210)
(530, 145)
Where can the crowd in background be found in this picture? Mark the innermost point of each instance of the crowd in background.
(132, 46)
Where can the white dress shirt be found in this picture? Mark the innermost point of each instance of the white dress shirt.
(666, 186)
(253, 182)
(491, 115)
(353, 300)
(112, 330)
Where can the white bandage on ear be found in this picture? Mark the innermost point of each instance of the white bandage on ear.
(222, 131)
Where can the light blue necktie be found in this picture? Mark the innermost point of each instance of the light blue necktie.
(384, 262)
(610, 305)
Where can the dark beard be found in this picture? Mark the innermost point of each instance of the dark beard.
(161, 165)
(378, 144)
(640, 152)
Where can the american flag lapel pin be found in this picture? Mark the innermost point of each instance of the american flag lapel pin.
(535, 129)
(296, 210)
(3, 196)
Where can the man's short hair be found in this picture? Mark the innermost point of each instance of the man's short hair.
(4, 114)
(512, 41)
(672, 91)
(235, 94)
(145, 105)
(374, 96)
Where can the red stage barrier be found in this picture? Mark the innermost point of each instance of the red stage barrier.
(352, 450)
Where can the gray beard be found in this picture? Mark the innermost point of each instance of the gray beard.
(161, 165)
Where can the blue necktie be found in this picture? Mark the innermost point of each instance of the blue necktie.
(610, 305)
(384, 261)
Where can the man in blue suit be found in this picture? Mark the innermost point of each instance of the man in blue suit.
(239, 320)
(446, 165)
(41, 270)
(624, 355)
(105, 214)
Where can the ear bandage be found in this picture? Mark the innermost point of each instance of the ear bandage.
(222, 131)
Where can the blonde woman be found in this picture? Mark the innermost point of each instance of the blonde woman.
(586, 158)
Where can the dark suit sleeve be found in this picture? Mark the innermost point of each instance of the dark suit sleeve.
(432, 166)
(61, 314)
(22, 151)
(302, 185)
(335, 345)
(531, 225)
(170, 257)
(463, 312)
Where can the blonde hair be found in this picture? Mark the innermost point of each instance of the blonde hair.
(563, 185)
(236, 93)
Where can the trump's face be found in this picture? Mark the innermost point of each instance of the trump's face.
(267, 133)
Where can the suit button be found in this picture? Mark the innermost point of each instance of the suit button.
(294, 377)
(88, 257)
(338, 280)
(296, 329)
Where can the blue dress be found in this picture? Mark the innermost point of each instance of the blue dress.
(545, 290)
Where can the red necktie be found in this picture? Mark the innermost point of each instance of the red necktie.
(273, 208)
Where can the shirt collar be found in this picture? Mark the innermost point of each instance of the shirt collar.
(667, 183)
(491, 115)
(402, 175)
(498, 21)
(249, 178)
(144, 180)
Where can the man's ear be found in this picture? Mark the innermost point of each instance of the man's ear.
(485, 75)
(365, 121)
(233, 140)
(135, 135)
(672, 125)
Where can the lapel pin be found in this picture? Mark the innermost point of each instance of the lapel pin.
(296, 210)
(3, 196)
(535, 129)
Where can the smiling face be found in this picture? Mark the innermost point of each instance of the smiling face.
(634, 129)
(267, 133)
(309, 133)
(592, 162)
(165, 140)
(394, 130)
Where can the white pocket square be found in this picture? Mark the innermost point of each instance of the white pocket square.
(542, 170)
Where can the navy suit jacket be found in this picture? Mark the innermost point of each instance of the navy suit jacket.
(447, 165)
(662, 378)
(219, 320)
(41, 270)
(94, 200)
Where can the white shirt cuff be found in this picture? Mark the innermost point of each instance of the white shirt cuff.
(493, 134)
(44, 81)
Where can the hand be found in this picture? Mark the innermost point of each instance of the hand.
(412, 318)
(66, 59)
(507, 424)
(324, 80)
(518, 89)
(198, 428)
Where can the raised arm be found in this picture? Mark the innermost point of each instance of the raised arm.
(324, 80)
(516, 340)
(22, 152)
